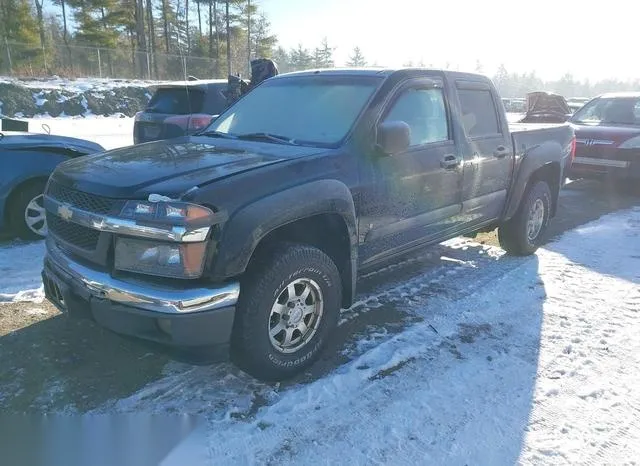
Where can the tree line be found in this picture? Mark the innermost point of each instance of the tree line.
(171, 39)
(511, 84)
(208, 37)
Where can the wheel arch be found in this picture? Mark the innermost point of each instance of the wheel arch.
(320, 214)
(549, 172)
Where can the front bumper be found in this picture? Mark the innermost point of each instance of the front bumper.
(170, 314)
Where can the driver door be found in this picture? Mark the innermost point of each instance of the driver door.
(407, 198)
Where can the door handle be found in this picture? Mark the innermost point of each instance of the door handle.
(501, 151)
(450, 162)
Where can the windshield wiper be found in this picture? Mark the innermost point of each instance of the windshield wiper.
(268, 137)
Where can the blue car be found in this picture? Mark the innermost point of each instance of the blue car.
(26, 161)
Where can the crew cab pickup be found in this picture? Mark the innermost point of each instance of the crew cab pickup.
(251, 235)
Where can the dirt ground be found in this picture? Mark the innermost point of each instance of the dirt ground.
(39, 348)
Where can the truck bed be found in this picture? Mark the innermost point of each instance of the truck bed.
(540, 137)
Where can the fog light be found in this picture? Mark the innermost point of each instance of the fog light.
(165, 325)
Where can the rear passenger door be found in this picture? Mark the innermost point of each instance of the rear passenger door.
(488, 152)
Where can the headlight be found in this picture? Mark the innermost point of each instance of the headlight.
(174, 260)
(168, 213)
(633, 143)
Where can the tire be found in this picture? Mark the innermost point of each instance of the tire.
(518, 236)
(26, 211)
(266, 312)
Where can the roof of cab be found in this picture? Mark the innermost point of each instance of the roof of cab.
(620, 95)
(384, 72)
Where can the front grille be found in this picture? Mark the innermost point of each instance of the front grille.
(77, 235)
(84, 201)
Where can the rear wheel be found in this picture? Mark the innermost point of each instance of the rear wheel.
(288, 308)
(26, 211)
(523, 234)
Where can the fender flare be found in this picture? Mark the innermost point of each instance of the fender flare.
(246, 227)
(545, 155)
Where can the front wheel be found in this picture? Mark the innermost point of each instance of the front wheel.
(523, 234)
(26, 212)
(289, 306)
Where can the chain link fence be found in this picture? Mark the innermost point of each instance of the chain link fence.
(26, 61)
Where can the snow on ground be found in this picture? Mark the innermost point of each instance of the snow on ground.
(514, 117)
(20, 267)
(78, 85)
(109, 132)
(539, 365)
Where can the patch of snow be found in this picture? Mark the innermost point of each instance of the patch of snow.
(495, 384)
(20, 271)
(40, 100)
(110, 132)
(36, 311)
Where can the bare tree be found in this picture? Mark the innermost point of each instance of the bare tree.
(186, 22)
(228, 28)
(165, 24)
(152, 37)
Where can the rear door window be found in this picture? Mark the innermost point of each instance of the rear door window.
(216, 100)
(479, 114)
(176, 101)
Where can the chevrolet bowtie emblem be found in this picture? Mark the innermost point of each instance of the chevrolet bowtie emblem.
(65, 212)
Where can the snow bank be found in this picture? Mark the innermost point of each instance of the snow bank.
(82, 97)
(109, 132)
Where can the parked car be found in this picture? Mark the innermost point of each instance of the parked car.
(576, 103)
(515, 105)
(608, 138)
(26, 161)
(180, 109)
(253, 233)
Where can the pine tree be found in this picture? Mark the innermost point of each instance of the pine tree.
(324, 55)
(282, 59)
(357, 60)
(39, 8)
(262, 41)
(300, 59)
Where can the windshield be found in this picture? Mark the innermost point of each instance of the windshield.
(610, 110)
(312, 110)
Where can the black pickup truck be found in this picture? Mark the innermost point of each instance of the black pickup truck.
(250, 236)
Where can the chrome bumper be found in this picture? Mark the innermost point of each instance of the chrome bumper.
(167, 299)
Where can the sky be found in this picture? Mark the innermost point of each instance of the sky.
(589, 39)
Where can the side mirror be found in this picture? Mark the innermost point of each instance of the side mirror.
(393, 137)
